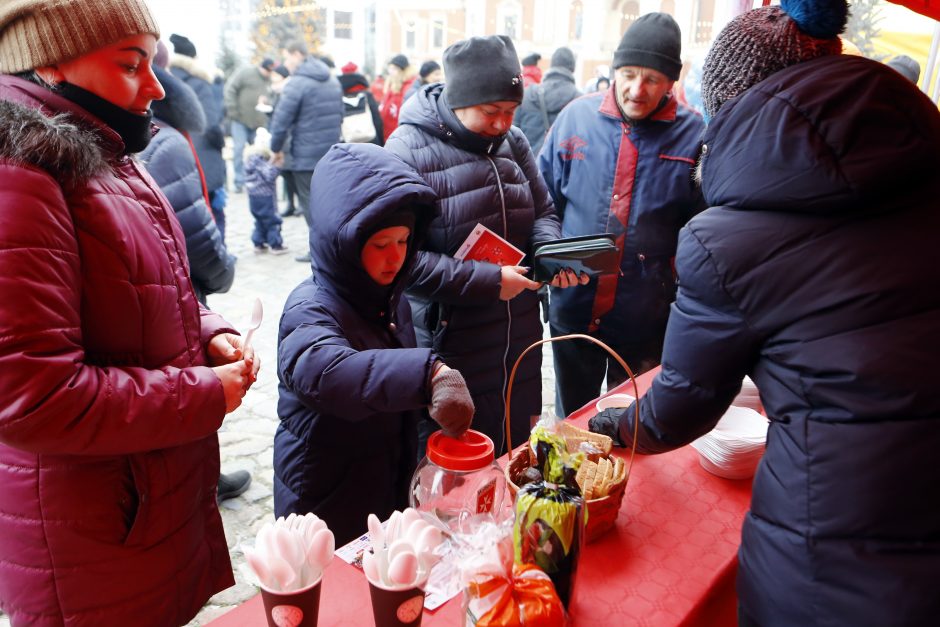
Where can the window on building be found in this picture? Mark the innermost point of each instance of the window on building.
(629, 11)
(342, 24)
(411, 36)
(576, 20)
(437, 33)
(704, 23)
(511, 26)
(509, 19)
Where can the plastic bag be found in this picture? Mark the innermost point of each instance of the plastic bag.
(500, 593)
(550, 516)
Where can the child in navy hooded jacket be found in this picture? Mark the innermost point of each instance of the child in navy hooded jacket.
(352, 384)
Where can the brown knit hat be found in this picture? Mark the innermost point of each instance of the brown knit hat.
(765, 40)
(35, 33)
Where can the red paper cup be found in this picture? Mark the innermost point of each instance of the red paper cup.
(298, 608)
(396, 608)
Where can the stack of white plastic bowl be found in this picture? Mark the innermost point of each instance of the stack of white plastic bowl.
(734, 447)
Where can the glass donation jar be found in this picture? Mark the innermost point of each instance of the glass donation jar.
(458, 478)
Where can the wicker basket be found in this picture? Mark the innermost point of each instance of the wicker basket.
(601, 512)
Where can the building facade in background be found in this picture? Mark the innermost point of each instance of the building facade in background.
(369, 32)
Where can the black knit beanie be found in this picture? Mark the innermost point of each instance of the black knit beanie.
(532, 59)
(182, 45)
(652, 41)
(765, 40)
(427, 67)
(400, 61)
(482, 69)
(563, 57)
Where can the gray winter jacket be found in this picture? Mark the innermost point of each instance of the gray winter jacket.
(556, 90)
(310, 110)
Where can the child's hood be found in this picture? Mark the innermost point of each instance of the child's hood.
(356, 186)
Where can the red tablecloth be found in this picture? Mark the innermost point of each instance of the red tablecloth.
(670, 560)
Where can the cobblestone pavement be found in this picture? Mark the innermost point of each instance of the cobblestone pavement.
(247, 435)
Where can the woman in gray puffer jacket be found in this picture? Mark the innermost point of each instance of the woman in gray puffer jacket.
(478, 316)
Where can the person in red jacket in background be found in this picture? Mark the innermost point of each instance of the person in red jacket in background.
(531, 72)
(114, 380)
(399, 79)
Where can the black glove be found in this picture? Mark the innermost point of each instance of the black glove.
(451, 405)
(608, 423)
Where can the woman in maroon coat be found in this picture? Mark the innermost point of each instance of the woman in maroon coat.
(113, 380)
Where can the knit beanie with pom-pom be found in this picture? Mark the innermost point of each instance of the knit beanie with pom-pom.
(765, 40)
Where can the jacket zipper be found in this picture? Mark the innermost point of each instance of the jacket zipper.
(502, 202)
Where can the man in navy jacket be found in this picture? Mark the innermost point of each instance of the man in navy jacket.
(620, 161)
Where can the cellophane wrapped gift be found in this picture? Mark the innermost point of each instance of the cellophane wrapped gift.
(550, 515)
(499, 593)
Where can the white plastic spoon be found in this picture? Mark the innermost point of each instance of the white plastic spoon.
(391, 530)
(429, 539)
(260, 569)
(321, 550)
(289, 548)
(370, 568)
(403, 569)
(257, 313)
(376, 535)
(397, 547)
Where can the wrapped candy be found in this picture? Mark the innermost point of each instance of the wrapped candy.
(550, 514)
(498, 593)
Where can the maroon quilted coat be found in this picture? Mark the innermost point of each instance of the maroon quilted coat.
(108, 414)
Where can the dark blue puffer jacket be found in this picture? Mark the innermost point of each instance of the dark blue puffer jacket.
(352, 385)
(211, 140)
(310, 111)
(169, 160)
(456, 304)
(816, 273)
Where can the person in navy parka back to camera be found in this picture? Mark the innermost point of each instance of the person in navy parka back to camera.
(815, 272)
(352, 383)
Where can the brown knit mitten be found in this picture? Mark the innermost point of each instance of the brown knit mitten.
(451, 405)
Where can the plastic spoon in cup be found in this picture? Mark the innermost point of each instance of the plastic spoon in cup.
(257, 313)
(259, 567)
(370, 568)
(397, 547)
(376, 535)
(282, 573)
(391, 530)
(321, 550)
(380, 557)
(403, 569)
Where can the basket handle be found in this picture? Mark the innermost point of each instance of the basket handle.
(623, 364)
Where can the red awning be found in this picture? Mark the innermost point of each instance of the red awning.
(930, 8)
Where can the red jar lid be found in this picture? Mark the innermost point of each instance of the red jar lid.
(471, 451)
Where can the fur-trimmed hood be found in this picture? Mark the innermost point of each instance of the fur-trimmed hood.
(193, 67)
(69, 151)
(180, 108)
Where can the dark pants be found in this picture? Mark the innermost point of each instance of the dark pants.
(217, 199)
(581, 366)
(290, 191)
(267, 221)
(302, 185)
